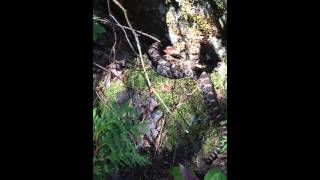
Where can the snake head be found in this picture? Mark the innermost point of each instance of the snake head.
(170, 50)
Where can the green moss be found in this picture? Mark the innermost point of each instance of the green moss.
(220, 6)
(210, 141)
(219, 79)
(180, 124)
(184, 101)
(136, 80)
(112, 90)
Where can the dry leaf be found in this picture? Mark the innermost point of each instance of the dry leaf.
(166, 88)
(170, 50)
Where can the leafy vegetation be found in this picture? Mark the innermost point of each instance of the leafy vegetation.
(185, 123)
(115, 131)
(215, 174)
(118, 130)
(97, 28)
(182, 173)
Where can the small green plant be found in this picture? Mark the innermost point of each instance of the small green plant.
(224, 144)
(97, 28)
(220, 5)
(215, 174)
(182, 173)
(175, 172)
(114, 135)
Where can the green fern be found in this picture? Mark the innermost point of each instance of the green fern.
(114, 131)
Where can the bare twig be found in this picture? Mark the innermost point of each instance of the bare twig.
(142, 33)
(125, 33)
(114, 33)
(100, 66)
(101, 98)
(160, 138)
(125, 27)
(140, 54)
(104, 101)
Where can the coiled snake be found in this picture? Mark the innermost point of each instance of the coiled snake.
(191, 24)
(189, 69)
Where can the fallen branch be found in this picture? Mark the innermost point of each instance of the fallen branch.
(140, 54)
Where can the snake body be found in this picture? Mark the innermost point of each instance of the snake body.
(191, 24)
(183, 69)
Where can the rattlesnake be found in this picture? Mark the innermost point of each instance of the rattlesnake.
(191, 24)
(184, 68)
(189, 69)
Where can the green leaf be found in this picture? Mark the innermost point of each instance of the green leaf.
(222, 123)
(115, 136)
(187, 174)
(175, 172)
(94, 112)
(224, 148)
(215, 174)
(97, 28)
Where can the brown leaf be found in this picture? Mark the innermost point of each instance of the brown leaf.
(116, 72)
(114, 69)
(166, 88)
(150, 91)
(170, 50)
(219, 93)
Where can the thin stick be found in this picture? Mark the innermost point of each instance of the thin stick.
(125, 27)
(125, 33)
(115, 35)
(100, 67)
(140, 54)
(160, 139)
(142, 33)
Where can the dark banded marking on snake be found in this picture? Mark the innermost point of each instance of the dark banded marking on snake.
(174, 71)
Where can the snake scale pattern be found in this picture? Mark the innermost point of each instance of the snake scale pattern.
(192, 24)
(187, 69)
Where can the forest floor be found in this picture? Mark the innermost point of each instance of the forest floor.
(176, 126)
